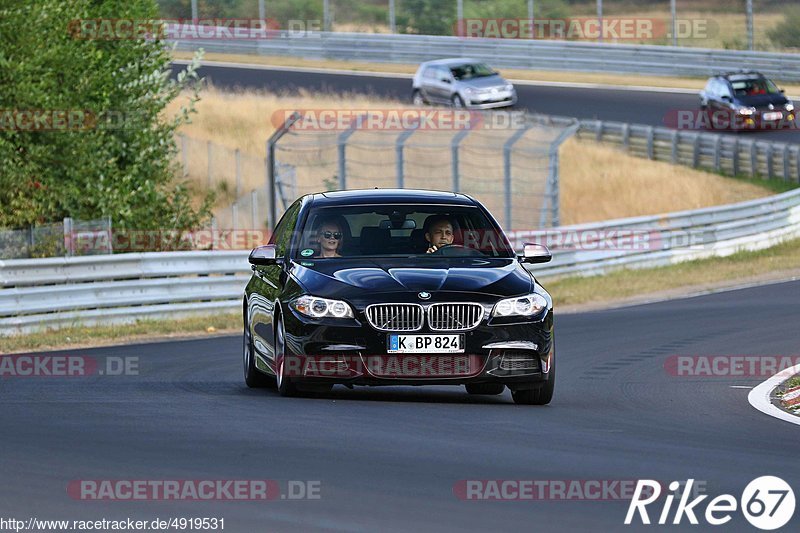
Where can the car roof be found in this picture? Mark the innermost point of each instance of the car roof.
(740, 75)
(390, 196)
(451, 61)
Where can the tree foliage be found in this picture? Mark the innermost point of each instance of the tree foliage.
(122, 163)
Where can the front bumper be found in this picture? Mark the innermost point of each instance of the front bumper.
(351, 352)
(491, 100)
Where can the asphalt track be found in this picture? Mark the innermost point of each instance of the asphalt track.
(388, 459)
(622, 105)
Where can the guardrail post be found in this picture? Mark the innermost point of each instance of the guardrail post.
(797, 163)
(674, 148)
(507, 171)
(696, 151)
(753, 160)
(272, 165)
(626, 136)
(735, 156)
(717, 150)
(770, 165)
(454, 144)
(238, 157)
(209, 150)
(69, 244)
(184, 156)
(785, 162)
(651, 142)
(599, 131)
(401, 140)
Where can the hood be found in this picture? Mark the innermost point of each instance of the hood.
(484, 82)
(763, 100)
(360, 278)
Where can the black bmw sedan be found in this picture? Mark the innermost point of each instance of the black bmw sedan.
(396, 287)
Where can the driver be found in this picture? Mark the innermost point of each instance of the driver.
(439, 232)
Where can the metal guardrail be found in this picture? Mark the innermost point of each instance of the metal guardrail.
(57, 292)
(510, 53)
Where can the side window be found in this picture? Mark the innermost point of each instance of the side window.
(724, 90)
(442, 73)
(429, 72)
(711, 88)
(282, 236)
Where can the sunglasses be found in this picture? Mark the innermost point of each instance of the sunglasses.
(332, 234)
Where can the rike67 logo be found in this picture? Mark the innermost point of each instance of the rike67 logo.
(767, 503)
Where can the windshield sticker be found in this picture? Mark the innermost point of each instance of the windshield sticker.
(308, 252)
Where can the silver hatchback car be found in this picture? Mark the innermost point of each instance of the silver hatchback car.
(461, 82)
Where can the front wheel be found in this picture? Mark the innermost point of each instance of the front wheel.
(285, 385)
(417, 99)
(541, 395)
(458, 102)
(252, 377)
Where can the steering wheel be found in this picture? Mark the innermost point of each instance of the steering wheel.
(455, 250)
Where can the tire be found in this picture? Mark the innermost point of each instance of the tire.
(489, 389)
(541, 395)
(417, 99)
(457, 102)
(253, 378)
(286, 386)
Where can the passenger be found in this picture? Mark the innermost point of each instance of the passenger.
(330, 239)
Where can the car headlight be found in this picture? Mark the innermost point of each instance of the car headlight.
(470, 90)
(509, 87)
(315, 307)
(746, 110)
(789, 106)
(529, 305)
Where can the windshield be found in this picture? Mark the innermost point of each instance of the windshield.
(422, 231)
(754, 86)
(471, 70)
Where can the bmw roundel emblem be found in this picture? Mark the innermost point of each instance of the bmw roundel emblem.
(424, 295)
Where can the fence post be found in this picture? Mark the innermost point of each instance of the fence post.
(674, 151)
(401, 139)
(235, 216)
(735, 156)
(209, 149)
(507, 171)
(342, 145)
(271, 165)
(553, 179)
(696, 151)
(238, 156)
(253, 209)
(214, 234)
(69, 245)
(753, 160)
(651, 143)
(184, 156)
(717, 150)
(454, 143)
(785, 162)
(769, 161)
(626, 136)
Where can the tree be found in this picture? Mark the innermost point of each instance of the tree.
(118, 157)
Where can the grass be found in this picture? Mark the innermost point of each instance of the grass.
(698, 275)
(85, 336)
(792, 382)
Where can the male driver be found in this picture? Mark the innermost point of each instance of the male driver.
(438, 232)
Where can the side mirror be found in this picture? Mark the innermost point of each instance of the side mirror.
(783, 91)
(535, 253)
(726, 98)
(446, 80)
(264, 255)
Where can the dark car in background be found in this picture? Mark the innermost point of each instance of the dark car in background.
(397, 287)
(461, 82)
(745, 100)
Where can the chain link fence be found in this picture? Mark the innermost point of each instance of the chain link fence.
(67, 238)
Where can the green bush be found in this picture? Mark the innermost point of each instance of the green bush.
(787, 32)
(121, 164)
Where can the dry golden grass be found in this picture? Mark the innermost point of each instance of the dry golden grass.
(599, 182)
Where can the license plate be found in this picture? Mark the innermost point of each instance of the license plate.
(775, 115)
(425, 344)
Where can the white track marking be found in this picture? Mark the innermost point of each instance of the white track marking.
(759, 396)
